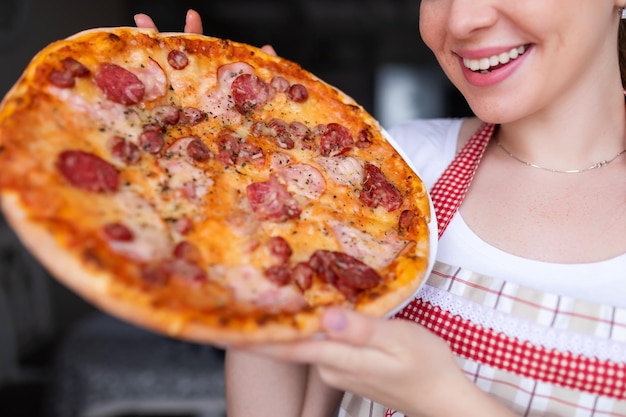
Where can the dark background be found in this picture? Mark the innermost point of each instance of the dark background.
(370, 49)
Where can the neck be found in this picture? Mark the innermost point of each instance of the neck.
(579, 131)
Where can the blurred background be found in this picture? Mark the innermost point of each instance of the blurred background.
(61, 357)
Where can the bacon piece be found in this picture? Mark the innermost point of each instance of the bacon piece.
(271, 201)
(336, 140)
(119, 85)
(249, 93)
(346, 273)
(298, 93)
(125, 151)
(304, 180)
(177, 59)
(87, 171)
(378, 190)
(153, 78)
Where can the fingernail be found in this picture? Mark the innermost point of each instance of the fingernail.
(335, 320)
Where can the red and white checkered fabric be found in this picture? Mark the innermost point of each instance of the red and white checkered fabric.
(541, 354)
(449, 190)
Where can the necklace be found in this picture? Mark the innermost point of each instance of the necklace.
(600, 164)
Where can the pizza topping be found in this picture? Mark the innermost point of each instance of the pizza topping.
(119, 85)
(175, 268)
(198, 151)
(271, 200)
(153, 78)
(182, 225)
(304, 180)
(236, 151)
(297, 93)
(346, 273)
(343, 170)
(364, 140)
(279, 84)
(279, 274)
(249, 93)
(117, 231)
(75, 68)
(177, 59)
(186, 250)
(279, 248)
(376, 252)
(336, 140)
(167, 115)
(65, 78)
(378, 191)
(87, 171)
(125, 151)
(183, 176)
(192, 116)
(61, 79)
(302, 275)
(151, 141)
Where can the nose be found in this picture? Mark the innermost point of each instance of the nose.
(469, 16)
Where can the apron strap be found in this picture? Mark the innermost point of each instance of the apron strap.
(450, 189)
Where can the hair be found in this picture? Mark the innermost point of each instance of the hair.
(621, 50)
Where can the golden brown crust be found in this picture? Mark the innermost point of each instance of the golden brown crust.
(62, 224)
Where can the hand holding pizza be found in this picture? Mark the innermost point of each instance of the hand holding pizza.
(392, 362)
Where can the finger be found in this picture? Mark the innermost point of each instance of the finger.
(193, 22)
(144, 21)
(357, 329)
(269, 49)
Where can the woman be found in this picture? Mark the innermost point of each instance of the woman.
(524, 313)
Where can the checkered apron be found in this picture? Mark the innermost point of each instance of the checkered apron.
(540, 354)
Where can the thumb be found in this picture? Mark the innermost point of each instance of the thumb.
(358, 329)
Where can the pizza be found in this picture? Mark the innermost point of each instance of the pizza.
(205, 189)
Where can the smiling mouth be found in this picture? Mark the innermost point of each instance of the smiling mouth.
(488, 64)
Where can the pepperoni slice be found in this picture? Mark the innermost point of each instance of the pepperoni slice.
(75, 68)
(345, 272)
(125, 151)
(279, 248)
(151, 141)
(249, 92)
(336, 140)
(270, 200)
(167, 114)
(119, 85)
(298, 93)
(87, 171)
(192, 116)
(177, 59)
(61, 79)
(118, 232)
(198, 150)
(378, 190)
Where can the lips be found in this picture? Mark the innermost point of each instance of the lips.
(493, 62)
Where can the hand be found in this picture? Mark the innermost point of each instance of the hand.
(193, 22)
(393, 362)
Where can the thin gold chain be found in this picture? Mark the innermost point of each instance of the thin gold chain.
(600, 164)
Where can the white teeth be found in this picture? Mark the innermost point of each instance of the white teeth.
(484, 64)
